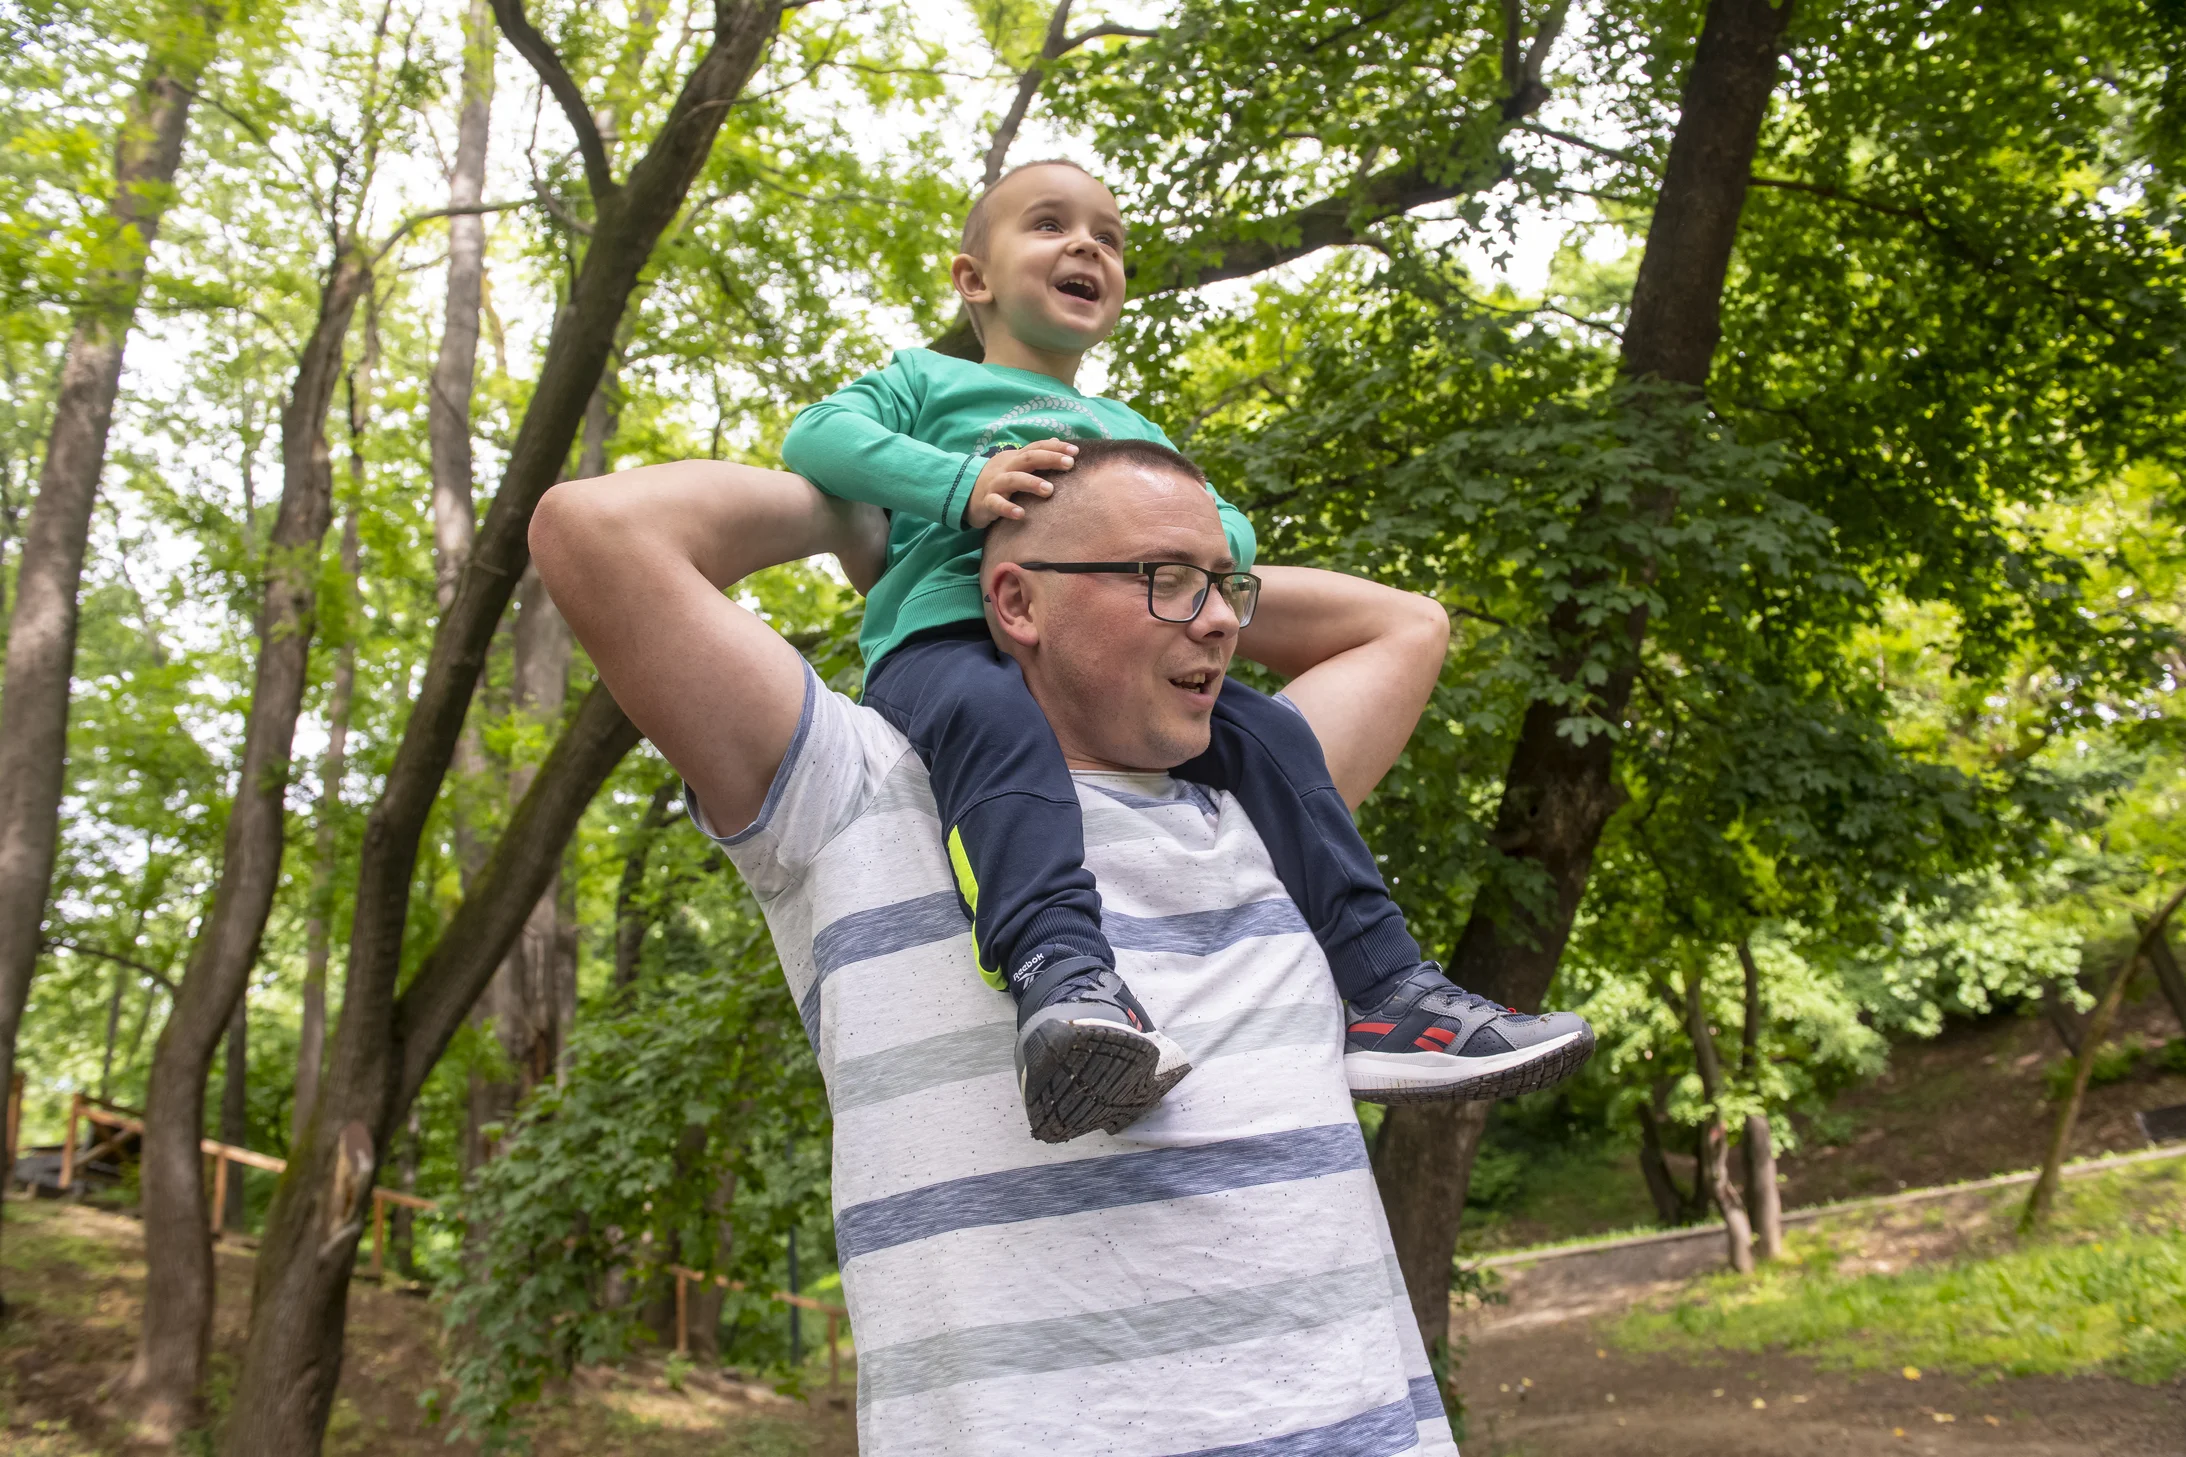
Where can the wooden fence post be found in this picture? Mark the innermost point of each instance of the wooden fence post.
(220, 1194)
(68, 1144)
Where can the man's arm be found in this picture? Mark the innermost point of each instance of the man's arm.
(1361, 658)
(637, 563)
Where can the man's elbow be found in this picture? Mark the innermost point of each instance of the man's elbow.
(1423, 634)
(568, 518)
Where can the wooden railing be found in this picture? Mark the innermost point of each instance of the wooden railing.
(85, 1110)
(834, 1313)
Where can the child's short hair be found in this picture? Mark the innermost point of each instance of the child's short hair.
(978, 226)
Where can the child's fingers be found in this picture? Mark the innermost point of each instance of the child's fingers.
(1037, 457)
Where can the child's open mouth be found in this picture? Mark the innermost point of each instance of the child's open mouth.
(1084, 288)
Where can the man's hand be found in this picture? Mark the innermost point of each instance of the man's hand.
(1009, 472)
(1361, 658)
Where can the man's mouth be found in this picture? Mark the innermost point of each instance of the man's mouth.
(1203, 680)
(1084, 288)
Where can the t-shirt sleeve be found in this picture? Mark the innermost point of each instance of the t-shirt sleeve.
(857, 444)
(835, 763)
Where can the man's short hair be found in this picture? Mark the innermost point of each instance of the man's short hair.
(1150, 453)
(978, 226)
(1006, 536)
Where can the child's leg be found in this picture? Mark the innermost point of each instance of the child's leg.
(1412, 1036)
(1264, 752)
(1009, 810)
(1088, 1056)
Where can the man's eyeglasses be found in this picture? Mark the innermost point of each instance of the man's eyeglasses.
(1175, 591)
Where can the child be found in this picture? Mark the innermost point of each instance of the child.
(944, 445)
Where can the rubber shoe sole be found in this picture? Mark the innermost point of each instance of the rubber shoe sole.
(1442, 1077)
(1094, 1076)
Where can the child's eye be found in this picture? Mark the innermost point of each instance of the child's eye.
(1050, 224)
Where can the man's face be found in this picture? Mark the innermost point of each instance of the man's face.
(1122, 689)
(1053, 274)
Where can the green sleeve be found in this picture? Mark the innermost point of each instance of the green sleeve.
(1244, 542)
(855, 444)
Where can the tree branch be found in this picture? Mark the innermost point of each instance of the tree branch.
(1028, 86)
(466, 210)
(1633, 159)
(55, 943)
(536, 49)
(1092, 33)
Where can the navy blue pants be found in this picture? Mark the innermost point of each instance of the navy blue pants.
(1009, 811)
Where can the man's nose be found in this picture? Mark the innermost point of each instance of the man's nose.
(1217, 619)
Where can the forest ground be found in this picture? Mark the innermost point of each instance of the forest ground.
(1618, 1353)
(1971, 1103)
(74, 1279)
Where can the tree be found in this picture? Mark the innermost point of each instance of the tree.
(42, 630)
(176, 1335)
(385, 1043)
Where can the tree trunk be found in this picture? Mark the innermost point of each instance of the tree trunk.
(318, 926)
(1764, 1201)
(1558, 792)
(1670, 1201)
(178, 1298)
(2168, 976)
(402, 1219)
(2044, 1194)
(41, 651)
(1423, 1168)
(632, 919)
(455, 371)
(235, 1108)
(448, 403)
(1715, 1146)
(528, 1004)
(2066, 1021)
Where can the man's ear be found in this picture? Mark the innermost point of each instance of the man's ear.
(970, 277)
(1009, 604)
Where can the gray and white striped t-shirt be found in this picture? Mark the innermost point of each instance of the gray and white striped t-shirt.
(1216, 1279)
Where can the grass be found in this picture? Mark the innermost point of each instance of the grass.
(2103, 1291)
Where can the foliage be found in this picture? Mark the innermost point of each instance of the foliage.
(2106, 1292)
(695, 1083)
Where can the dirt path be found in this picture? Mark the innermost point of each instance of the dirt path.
(1544, 1377)
(1588, 1399)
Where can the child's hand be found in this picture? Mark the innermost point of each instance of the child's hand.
(1010, 471)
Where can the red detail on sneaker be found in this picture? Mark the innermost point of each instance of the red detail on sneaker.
(1425, 1046)
(1377, 1029)
(1442, 1035)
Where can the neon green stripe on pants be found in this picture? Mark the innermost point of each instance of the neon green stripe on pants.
(967, 886)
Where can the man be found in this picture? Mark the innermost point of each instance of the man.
(1218, 1276)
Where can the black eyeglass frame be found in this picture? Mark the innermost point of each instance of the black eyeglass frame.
(1244, 609)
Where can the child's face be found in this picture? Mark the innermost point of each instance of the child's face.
(1053, 275)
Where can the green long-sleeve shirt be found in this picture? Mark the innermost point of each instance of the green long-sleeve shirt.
(912, 438)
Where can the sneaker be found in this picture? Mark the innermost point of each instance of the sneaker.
(1429, 1040)
(1088, 1056)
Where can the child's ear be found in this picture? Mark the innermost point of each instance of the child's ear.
(970, 277)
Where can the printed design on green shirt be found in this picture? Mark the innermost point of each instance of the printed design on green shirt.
(1067, 427)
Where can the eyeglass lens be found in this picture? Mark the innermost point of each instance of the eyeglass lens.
(1177, 592)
